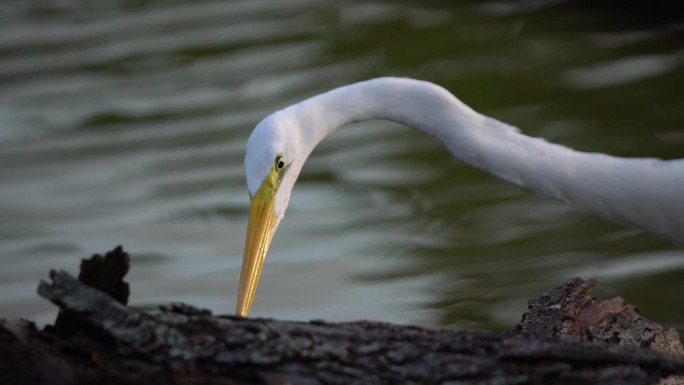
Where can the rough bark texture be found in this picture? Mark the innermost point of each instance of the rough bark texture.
(569, 313)
(104, 273)
(566, 337)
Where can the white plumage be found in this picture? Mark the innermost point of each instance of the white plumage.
(641, 192)
(645, 193)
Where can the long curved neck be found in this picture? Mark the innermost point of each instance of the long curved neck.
(629, 191)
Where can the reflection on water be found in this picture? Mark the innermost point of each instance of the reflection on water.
(126, 123)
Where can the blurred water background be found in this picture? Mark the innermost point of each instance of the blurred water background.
(125, 122)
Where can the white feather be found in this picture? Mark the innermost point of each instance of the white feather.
(641, 192)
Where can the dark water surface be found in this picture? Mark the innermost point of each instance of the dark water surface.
(126, 122)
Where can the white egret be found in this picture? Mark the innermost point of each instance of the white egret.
(640, 192)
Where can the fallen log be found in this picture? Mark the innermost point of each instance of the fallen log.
(566, 337)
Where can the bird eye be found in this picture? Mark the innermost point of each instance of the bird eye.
(279, 162)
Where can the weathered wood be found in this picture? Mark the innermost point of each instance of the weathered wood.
(180, 344)
(104, 273)
(569, 313)
(107, 273)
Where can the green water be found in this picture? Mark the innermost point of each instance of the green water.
(125, 122)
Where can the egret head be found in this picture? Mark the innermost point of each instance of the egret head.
(272, 164)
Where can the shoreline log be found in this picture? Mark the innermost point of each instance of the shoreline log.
(565, 337)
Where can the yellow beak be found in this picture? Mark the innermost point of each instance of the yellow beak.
(260, 229)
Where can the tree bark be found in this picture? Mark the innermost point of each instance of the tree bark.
(566, 337)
